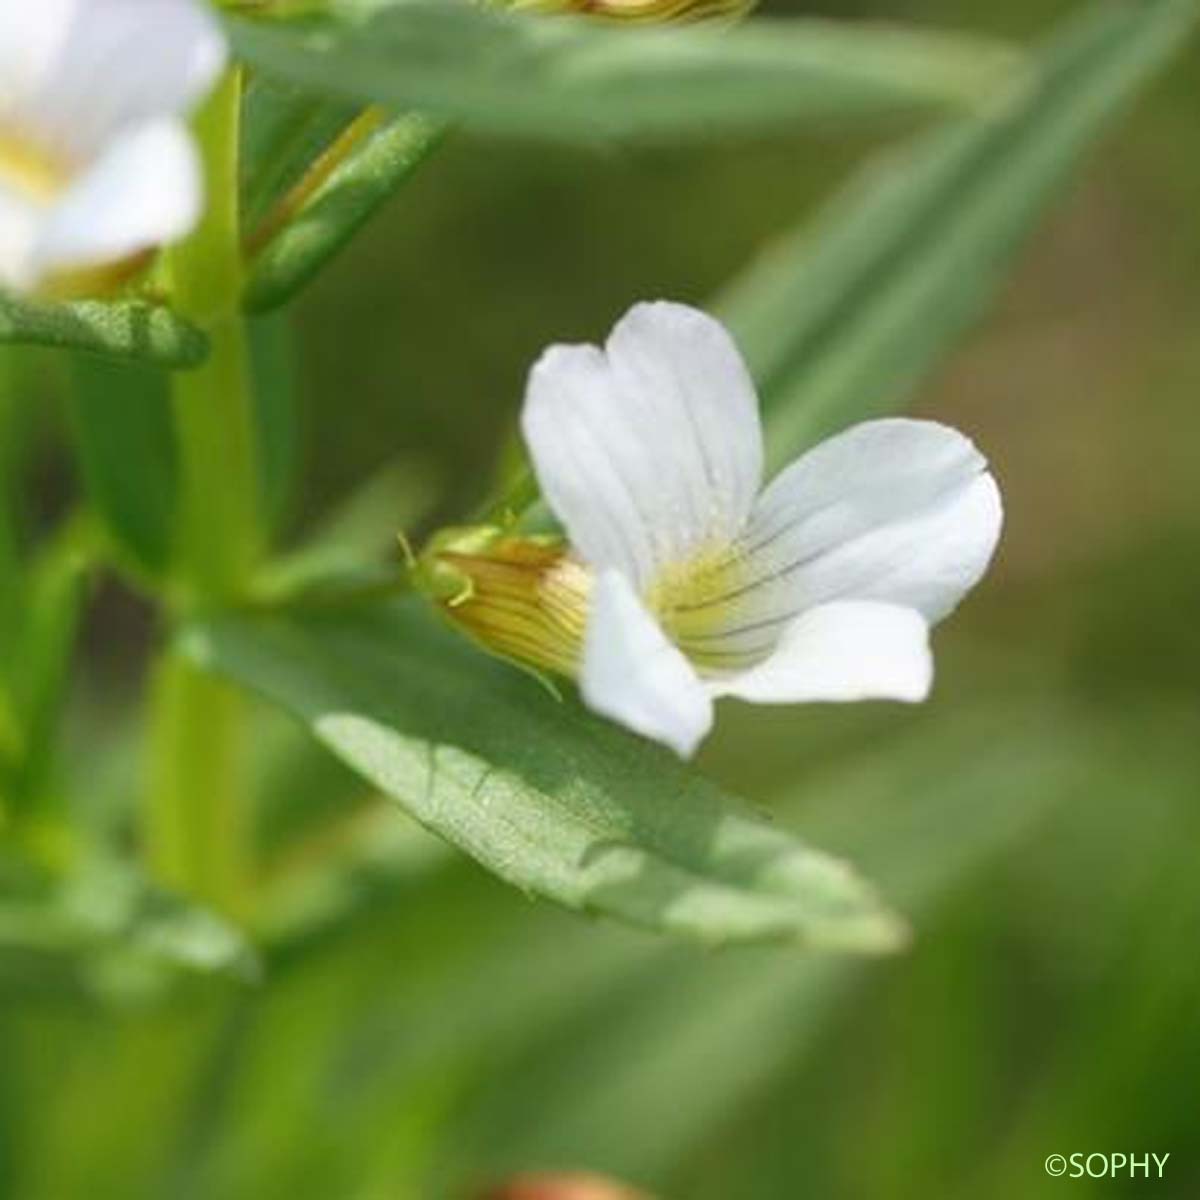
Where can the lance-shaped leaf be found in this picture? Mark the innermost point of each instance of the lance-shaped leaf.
(543, 794)
(284, 129)
(342, 188)
(525, 75)
(129, 329)
(843, 319)
(120, 415)
(121, 421)
(952, 801)
(314, 170)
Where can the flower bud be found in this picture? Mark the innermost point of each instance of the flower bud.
(562, 1187)
(523, 598)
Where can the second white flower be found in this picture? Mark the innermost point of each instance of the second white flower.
(820, 587)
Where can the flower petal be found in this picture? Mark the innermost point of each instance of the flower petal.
(900, 511)
(635, 676)
(848, 650)
(32, 37)
(99, 67)
(650, 449)
(684, 366)
(18, 236)
(145, 190)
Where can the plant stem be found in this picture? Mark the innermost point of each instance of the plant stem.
(219, 519)
(198, 818)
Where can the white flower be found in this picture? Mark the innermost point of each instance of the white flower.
(820, 587)
(96, 162)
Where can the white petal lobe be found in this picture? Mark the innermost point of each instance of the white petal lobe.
(850, 650)
(633, 675)
(681, 367)
(19, 222)
(899, 511)
(145, 190)
(650, 449)
(103, 66)
(592, 471)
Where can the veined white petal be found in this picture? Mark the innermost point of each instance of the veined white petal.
(900, 511)
(635, 676)
(651, 449)
(591, 469)
(100, 67)
(681, 368)
(145, 190)
(847, 650)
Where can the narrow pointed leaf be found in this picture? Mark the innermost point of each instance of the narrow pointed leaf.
(843, 319)
(563, 77)
(128, 329)
(952, 802)
(280, 450)
(120, 417)
(284, 128)
(549, 798)
(339, 203)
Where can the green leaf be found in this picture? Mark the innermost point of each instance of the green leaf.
(106, 932)
(355, 545)
(844, 319)
(273, 364)
(313, 171)
(120, 417)
(57, 589)
(127, 329)
(354, 189)
(284, 128)
(543, 794)
(13, 434)
(564, 77)
(927, 808)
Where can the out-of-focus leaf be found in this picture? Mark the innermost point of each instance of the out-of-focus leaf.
(561, 77)
(601, 1083)
(273, 363)
(841, 321)
(57, 587)
(377, 162)
(128, 329)
(545, 795)
(433, 976)
(355, 545)
(108, 933)
(12, 600)
(313, 170)
(121, 420)
(284, 128)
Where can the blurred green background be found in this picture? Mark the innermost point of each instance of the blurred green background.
(1038, 818)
